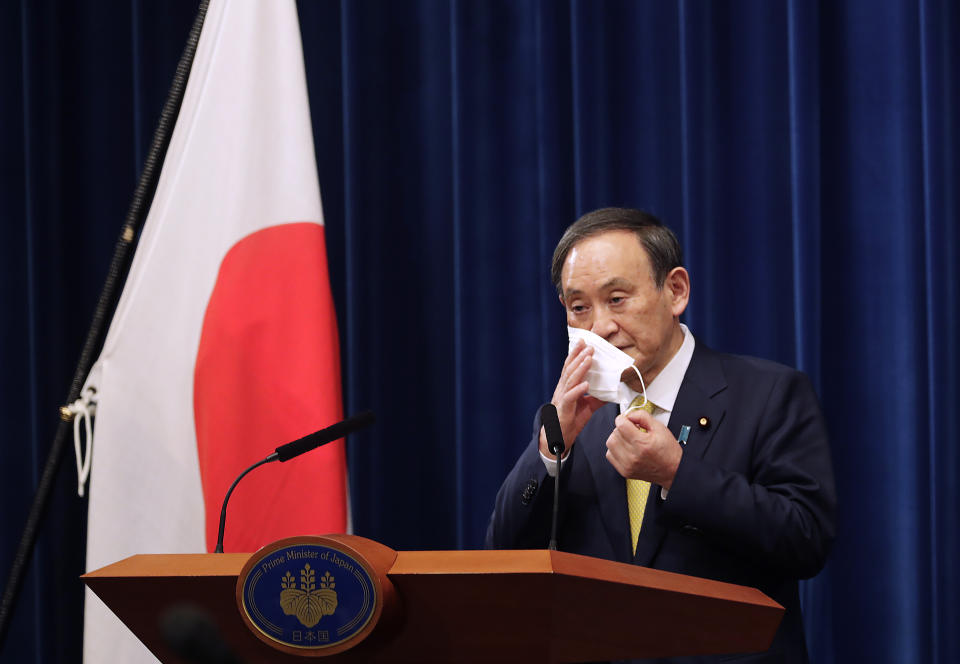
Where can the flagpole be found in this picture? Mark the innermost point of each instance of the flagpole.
(106, 304)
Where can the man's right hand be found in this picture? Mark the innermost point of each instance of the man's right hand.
(574, 406)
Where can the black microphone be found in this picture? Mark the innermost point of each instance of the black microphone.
(554, 435)
(551, 427)
(324, 436)
(296, 448)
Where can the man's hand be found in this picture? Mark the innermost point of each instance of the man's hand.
(652, 455)
(574, 405)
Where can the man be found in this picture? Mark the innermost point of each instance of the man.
(747, 499)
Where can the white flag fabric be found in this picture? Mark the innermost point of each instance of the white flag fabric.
(224, 343)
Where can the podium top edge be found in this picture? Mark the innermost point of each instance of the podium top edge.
(543, 561)
(173, 564)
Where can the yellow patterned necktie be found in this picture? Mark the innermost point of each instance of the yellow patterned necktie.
(638, 490)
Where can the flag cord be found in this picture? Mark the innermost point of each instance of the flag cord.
(119, 264)
(83, 410)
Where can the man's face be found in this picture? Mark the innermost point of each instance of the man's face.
(608, 288)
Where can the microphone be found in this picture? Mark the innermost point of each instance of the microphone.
(324, 436)
(295, 449)
(551, 427)
(554, 435)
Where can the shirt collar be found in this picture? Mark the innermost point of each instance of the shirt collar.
(663, 390)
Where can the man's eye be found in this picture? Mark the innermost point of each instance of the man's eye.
(578, 308)
(617, 300)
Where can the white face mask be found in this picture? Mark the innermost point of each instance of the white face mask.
(609, 363)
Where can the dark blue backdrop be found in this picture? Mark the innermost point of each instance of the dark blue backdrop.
(805, 152)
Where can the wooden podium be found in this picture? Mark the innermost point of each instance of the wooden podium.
(463, 606)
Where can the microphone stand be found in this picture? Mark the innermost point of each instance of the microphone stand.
(557, 449)
(223, 510)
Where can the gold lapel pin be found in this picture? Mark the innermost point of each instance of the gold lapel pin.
(704, 423)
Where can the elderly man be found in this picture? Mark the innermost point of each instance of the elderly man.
(745, 495)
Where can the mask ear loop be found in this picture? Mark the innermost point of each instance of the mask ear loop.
(643, 387)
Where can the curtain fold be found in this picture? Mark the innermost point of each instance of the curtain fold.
(806, 154)
(940, 108)
(802, 43)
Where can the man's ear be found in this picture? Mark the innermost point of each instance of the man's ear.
(677, 284)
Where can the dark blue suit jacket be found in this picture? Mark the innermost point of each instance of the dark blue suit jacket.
(752, 503)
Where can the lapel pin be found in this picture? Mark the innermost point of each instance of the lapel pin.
(704, 423)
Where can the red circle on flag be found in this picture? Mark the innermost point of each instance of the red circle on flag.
(268, 372)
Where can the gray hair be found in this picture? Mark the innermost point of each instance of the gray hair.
(660, 243)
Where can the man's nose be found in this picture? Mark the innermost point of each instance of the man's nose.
(604, 325)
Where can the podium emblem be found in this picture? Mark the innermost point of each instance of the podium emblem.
(307, 594)
(308, 603)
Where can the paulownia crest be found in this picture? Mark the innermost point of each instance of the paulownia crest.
(308, 603)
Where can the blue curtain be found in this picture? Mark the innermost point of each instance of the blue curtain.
(806, 154)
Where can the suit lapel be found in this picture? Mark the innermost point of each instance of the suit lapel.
(695, 400)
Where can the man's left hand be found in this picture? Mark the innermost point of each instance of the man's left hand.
(641, 448)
